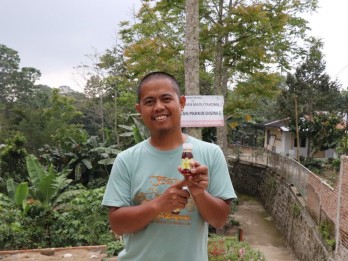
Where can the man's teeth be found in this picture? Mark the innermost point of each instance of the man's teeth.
(161, 117)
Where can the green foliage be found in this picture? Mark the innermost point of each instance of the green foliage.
(12, 159)
(18, 193)
(312, 88)
(16, 85)
(315, 165)
(221, 248)
(114, 247)
(271, 186)
(323, 130)
(47, 184)
(252, 35)
(327, 169)
(326, 229)
(84, 157)
(253, 93)
(16, 229)
(319, 101)
(83, 222)
(296, 210)
(342, 149)
(325, 134)
(62, 119)
(137, 130)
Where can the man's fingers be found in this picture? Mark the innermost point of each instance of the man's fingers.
(180, 184)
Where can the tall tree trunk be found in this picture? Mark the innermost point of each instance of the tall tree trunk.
(116, 122)
(192, 55)
(102, 117)
(220, 80)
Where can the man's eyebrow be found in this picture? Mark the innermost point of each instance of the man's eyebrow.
(162, 95)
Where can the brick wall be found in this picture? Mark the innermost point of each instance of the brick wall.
(343, 185)
(323, 200)
(313, 198)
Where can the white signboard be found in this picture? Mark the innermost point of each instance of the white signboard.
(203, 111)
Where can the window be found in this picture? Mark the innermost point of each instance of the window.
(302, 142)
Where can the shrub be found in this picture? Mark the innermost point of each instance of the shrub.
(83, 222)
(15, 229)
(221, 248)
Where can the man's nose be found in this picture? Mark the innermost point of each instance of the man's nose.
(159, 105)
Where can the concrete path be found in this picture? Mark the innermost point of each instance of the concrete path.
(260, 232)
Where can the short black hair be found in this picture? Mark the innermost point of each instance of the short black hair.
(158, 75)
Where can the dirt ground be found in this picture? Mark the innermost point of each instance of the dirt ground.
(260, 232)
(97, 253)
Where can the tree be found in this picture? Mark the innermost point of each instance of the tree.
(317, 97)
(327, 132)
(312, 85)
(15, 84)
(61, 119)
(192, 54)
(237, 39)
(12, 160)
(112, 94)
(16, 89)
(250, 103)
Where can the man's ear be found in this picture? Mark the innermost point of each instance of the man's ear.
(182, 102)
(137, 107)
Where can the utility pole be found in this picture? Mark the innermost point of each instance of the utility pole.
(192, 55)
(297, 132)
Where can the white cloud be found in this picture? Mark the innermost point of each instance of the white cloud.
(329, 24)
(62, 77)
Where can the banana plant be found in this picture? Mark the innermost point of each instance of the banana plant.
(137, 130)
(48, 185)
(18, 194)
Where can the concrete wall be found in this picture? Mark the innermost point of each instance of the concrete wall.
(282, 202)
(317, 200)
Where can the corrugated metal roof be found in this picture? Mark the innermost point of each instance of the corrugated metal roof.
(276, 124)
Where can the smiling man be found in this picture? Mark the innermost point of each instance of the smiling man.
(146, 183)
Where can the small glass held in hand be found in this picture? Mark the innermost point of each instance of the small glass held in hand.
(186, 159)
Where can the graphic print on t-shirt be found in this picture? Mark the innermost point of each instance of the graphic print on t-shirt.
(157, 185)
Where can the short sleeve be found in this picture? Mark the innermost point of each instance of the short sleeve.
(118, 188)
(220, 184)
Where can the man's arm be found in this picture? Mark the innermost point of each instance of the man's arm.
(126, 220)
(212, 209)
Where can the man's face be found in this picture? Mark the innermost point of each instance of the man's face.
(159, 106)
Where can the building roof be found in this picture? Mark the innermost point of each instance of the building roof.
(281, 124)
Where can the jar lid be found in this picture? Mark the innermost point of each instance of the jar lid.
(187, 146)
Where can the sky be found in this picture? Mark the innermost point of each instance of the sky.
(56, 36)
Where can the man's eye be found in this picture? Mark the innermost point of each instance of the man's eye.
(148, 102)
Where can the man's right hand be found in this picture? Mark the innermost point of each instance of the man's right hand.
(174, 197)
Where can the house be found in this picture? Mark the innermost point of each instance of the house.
(280, 139)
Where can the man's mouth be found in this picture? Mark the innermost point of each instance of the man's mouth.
(160, 117)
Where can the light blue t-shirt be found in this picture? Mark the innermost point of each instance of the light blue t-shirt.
(142, 173)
